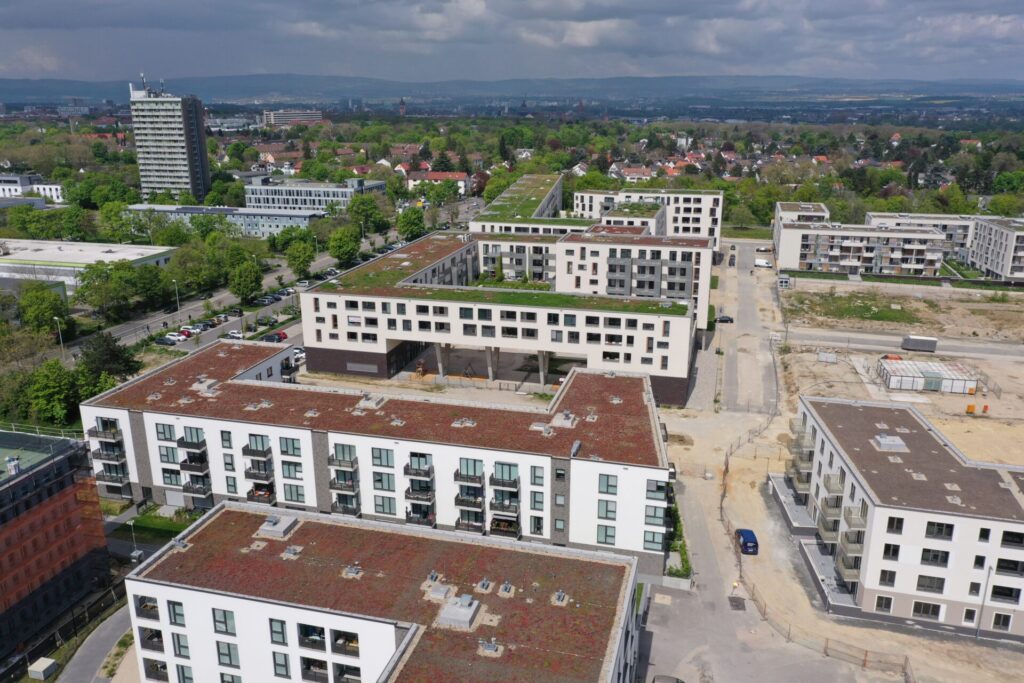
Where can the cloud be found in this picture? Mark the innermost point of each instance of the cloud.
(493, 39)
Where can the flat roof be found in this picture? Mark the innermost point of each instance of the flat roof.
(627, 240)
(636, 210)
(514, 237)
(929, 368)
(916, 230)
(1014, 224)
(927, 473)
(651, 190)
(623, 427)
(542, 642)
(941, 217)
(29, 450)
(521, 199)
(803, 206)
(226, 210)
(75, 254)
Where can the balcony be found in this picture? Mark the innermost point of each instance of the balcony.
(801, 485)
(469, 502)
(315, 675)
(195, 465)
(466, 525)
(313, 641)
(289, 370)
(147, 609)
(345, 509)
(189, 445)
(506, 528)
(114, 456)
(422, 520)
(105, 434)
(151, 639)
(261, 453)
(846, 570)
(849, 546)
(505, 507)
(108, 478)
(344, 485)
(422, 495)
(348, 465)
(855, 518)
(154, 671)
(419, 472)
(830, 511)
(343, 646)
(474, 479)
(198, 490)
(265, 497)
(512, 484)
(827, 534)
(833, 484)
(258, 475)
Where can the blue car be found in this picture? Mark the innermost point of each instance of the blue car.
(747, 541)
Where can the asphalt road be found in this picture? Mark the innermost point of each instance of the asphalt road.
(864, 341)
(85, 665)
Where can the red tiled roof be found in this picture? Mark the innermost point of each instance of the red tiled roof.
(438, 175)
(542, 643)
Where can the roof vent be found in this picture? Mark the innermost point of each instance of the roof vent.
(564, 418)
(889, 443)
(370, 402)
(312, 412)
(278, 527)
(459, 613)
(291, 552)
(881, 425)
(490, 648)
(155, 396)
(615, 400)
(352, 571)
(954, 500)
(507, 590)
(358, 412)
(397, 421)
(919, 476)
(484, 586)
(463, 422)
(559, 598)
(952, 487)
(591, 416)
(170, 382)
(433, 576)
(902, 430)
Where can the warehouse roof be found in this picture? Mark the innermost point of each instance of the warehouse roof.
(74, 254)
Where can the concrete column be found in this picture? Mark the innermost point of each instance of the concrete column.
(489, 353)
(542, 364)
(441, 369)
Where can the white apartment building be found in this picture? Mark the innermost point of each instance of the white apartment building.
(958, 230)
(378, 317)
(291, 117)
(225, 423)
(532, 205)
(692, 213)
(267, 192)
(246, 596)
(170, 143)
(18, 185)
(997, 248)
(462, 180)
(796, 212)
(856, 249)
(250, 222)
(919, 532)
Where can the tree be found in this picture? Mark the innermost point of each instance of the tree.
(365, 213)
(443, 162)
(1006, 205)
(343, 245)
(39, 305)
(410, 224)
(151, 285)
(245, 281)
(107, 287)
(300, 255)
(116, 225)
(53, 393)
(102, 353)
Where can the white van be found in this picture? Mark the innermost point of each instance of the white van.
(762, 263)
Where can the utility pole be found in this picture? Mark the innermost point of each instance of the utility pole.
(176, 299)
(60, 336)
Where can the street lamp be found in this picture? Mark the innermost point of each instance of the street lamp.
(981, 609)
(131, 525)
(176, 299)
(60, 336)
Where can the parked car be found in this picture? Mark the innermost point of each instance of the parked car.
(266, 320)
(732, 247)
(283, 335)
(274, 337)
(222, 317)
(732, 259)
(747, 541)
(186, 332)
(763, 250)
(297, 350)
(762, 263)
(275, 297)
(164, 341)
(725, 319)
(235, 334)
(263, 301)
(237, 312)
(303, 283)
(176, 337)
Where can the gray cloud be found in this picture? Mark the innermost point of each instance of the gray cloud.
(491, 39)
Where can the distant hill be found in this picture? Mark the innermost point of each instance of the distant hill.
(267, 88)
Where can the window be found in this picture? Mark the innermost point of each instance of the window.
(608, 483)
(176, 613)
(171, 477)
(165, 432)
(926, 610)
(983, 535)
(1010, 567)
(281, 668)
(1001, 622)
(569, 320)
(384, 505)
(383, 481)
(227, 654)
(229, 462)
(970, 615)
(974, 588)
(180, 641)
(559, 525)
(559, 474)
(895, 525)
(232, 484)
(278, 632)
(536, 525)
(344, 451)
(1013, 539)
(259, 442)
(537, 500)
(654, 540)
(887, 577)
(291, 470)
(931, 584)
(979, 561)
(537, 476)
(883, 603)
(1006, 594)
(383, 457)
(939, 530)
(891, 551)
(294, 493)
(657, 490)
(560, 500)
(654, 515)
(223, 621)
(606, 509)
(470, 467)
(465, 313)
(184, 674)
(225, 439)
(168, 454)
(230, 678)
(506, 471)
(605, 534)
(935, 558)
(290, 447)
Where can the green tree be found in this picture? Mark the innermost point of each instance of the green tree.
(443, 162)
(151, 285)
(1011, 205)
(107, 287)
(410, 224)
(39, 305)
(300, 256)
(343, 245)
(53, 393)
(116, 225)
(366, 214)
(102, 353)
(87, 386)
(245, 281)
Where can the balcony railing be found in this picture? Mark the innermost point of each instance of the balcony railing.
(189, 445)
(505, 483)
(154, 673)
(424, 495)
(855, 518)
(419, 472)
(469, 502)
(109, 478)
(344, 485)
(344, 509)
(849, 546)
(830, 511)
(827, 534)
(477, 479)
(197, 466)
(507, 529)
(349, 465)
(465, 525)
(847, 571)
(801, 485)
(105, 434)
(251, 452)
(201, 490)
(147, 610)
(289, 370)
(313, 642)
(259, 475)
(422, 520)
(833, 484)
(152, 642)
(117, 456)
(315, 675)
(267, 498)
(345, 647)
(509, 507)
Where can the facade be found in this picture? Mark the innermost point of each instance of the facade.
(16, 185)
(958, 230)
(856, 249)
(170, 142)
(689, 213)
(266, 192)
(319, 599)
(251, 222)
(919, 532)
(532, 205)
(590, 471)
(291, 117)
(416, 178)
(56, 261)
(52, 548)
(997, 248)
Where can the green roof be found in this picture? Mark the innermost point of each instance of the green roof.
(636, 209)
(522, 199)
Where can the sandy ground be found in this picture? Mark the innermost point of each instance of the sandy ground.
(128, 672)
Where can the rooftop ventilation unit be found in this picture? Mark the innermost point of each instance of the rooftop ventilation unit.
(278, 527)
(615, 400)
(397, 421)
(459, 613)
(13, 466)
(564, 418)
(312, 412)
(560, 598)
(155, 396)
(352, 571)
(291, 552)
(507, 590)
(463, 422)
(433, 576)
(889, 443)
(370, 402)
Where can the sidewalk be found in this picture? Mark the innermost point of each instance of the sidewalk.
(86, 663)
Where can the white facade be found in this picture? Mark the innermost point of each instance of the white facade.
(959, 230)
(251, 222)
(18, 185)
(269, 193)
(58, 261)
(838, 248)
(286, 117)
(696, 213)
(997, 248)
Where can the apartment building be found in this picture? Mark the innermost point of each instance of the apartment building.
(997, 248)
(52, 548)
(532, 205)
(250, 222)
(18, 185)
(918, 531)
(958, 230)
(246, 596)
(170, 143)
(377, 318)
(276, 193)
(588, 471)
(856, 249)
(692, 213)
(796, 212)
(291, 117)
(416, 178)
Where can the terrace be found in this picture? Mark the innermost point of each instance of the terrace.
(522, 199)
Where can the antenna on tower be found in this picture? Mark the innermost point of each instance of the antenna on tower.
(161, 86)
(142, 75)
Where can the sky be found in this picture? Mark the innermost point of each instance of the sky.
(497, 39)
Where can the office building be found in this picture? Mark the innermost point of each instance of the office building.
(18, 185)
(277, 193)
(251, 222)
(918, 531)
(52, 548)
(246, 596)
(228, 423)
(57, 261)
(170, 143)
(291, 117)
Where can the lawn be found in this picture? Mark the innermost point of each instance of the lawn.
(714, 282)
(152, 528)
(948, 271)
(963, 269)
(859, 305)
(816, 275)
(745, 232)
(901, 280)
(986, 285)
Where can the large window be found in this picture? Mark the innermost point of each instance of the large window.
(935, 558)
(606, 509)
(608, 483)
(890, 551)
(654, 540)
(887, 577)
(278, 632)
(471, 467)
(383, 481)
(384, 505)
(895, 525)
(294, 493)
(657, 490)
(259, 442)
(184, 674)
(171, 477)
(227, 654)
(224, 621)
(291, 470)
(654, 514)
(1006, 594)
(165, 432)
(605, 534)
(176, 613)
(883, 603)
(1001, 622)
(291, 447)
(931, 584)
(194, 435)
(344, 451)
(926, 610)
(506, 471)
(939, 530)
(168, 454)
(383, 457)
